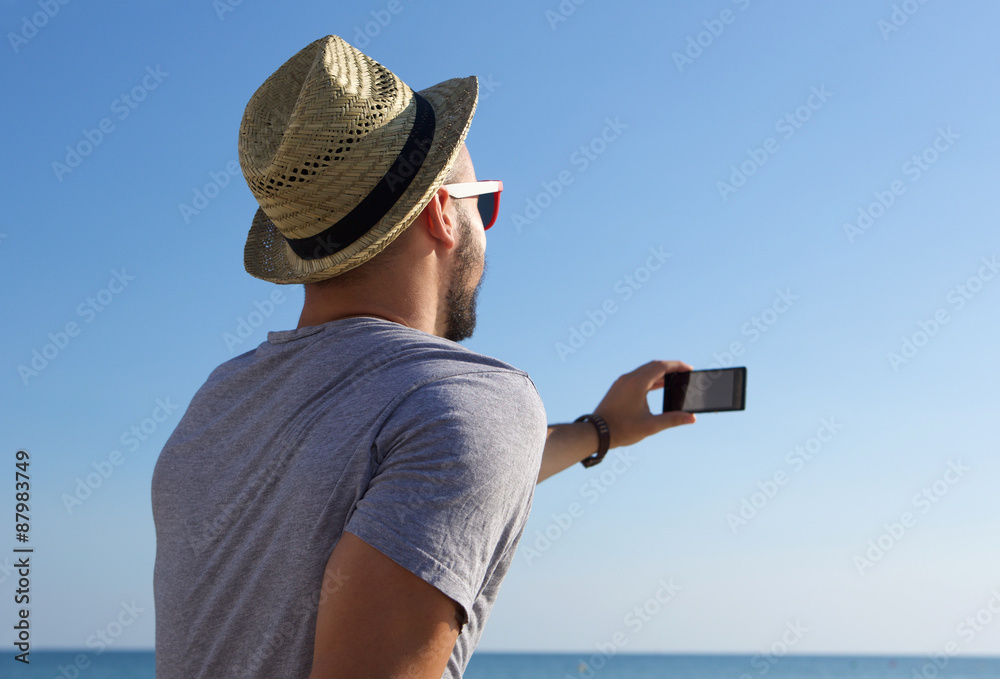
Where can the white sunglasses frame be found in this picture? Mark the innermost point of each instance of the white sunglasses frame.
(470, 189)
(479, 188)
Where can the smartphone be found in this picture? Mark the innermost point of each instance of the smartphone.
(705, 391)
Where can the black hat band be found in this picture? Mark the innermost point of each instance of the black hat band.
(381, 199)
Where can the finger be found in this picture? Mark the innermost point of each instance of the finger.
(656, 369)
(650, 376)
(677, 366)
(674, 418)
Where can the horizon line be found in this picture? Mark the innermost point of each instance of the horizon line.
(835, 654)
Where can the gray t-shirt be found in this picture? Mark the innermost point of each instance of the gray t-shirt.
(424, 449)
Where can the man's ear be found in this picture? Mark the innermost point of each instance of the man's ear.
(439, 216)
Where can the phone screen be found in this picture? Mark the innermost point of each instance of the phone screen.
(705, 391)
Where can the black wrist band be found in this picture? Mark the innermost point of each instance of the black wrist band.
(603, 435)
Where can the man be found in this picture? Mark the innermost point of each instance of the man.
(345, 500)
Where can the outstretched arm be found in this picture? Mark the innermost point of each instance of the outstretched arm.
(625, 410)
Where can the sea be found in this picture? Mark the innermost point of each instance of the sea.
(139, 665)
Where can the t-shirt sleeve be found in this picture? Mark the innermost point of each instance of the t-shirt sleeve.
(456, 466)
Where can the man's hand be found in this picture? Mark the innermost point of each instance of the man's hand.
(626, 410)
(627, 413)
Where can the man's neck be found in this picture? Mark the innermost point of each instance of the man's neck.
(313, 319)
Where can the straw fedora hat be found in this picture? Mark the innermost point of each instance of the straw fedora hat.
(342, 156)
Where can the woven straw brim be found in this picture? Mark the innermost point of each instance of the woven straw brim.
(268, 256)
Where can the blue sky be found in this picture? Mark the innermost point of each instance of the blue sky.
(810, 186)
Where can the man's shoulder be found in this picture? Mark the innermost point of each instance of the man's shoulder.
(437, 368)
(374, 360)
(441, 375)
(370, 341)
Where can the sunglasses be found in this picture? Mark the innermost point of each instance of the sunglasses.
(489, 197)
